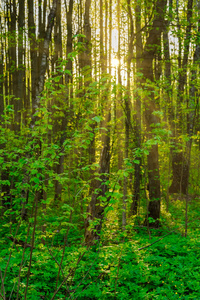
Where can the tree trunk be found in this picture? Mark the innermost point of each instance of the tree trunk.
(44, 56)
(33, 52)
(180, 167)
(58, 101)
(151, 48)
(137, 127)
(20, 92)
(1, 74)
(96, 207)
(99, 188)
(68, 77)
(67, 113)
(180, 172)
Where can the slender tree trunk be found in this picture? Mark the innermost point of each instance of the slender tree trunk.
(192, 105)
(106, 35)
(180, 167)
(126, 156)
(57, 40)
(59, 101)
(45, 54)
(68, 80)
(33, 52)
(110, 34)
(102, 50)
(151, 48)
(137, 127)
(2, 106)
(88, 63)
(68, 77)
(68, 111)
(96, 207)
(193, 102)
(20, 93)
(120, 119)
(12, 44)
(1, 74)
(168, 88)
(119, 112)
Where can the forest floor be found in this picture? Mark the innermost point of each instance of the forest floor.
(133, 264)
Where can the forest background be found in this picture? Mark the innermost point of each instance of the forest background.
(99, 149)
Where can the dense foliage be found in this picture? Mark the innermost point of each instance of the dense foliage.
(116, 268)
(99, 149)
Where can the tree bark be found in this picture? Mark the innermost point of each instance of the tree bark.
(95, 211)
(33, 51)
(58, 128)
(180, 166)
(137, 104)
(20, 92)
(1, 74)
(38, 76)
(152, 47)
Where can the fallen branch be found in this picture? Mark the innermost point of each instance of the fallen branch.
(156, 241)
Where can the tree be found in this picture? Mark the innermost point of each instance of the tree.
(96, 207)
(151, 49)
(180, 165)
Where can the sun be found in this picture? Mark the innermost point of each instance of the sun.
(115, 62)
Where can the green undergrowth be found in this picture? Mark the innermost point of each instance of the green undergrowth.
(168, 268)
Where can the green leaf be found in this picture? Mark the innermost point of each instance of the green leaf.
(136, 161)
(97, 119)
(36, 180)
